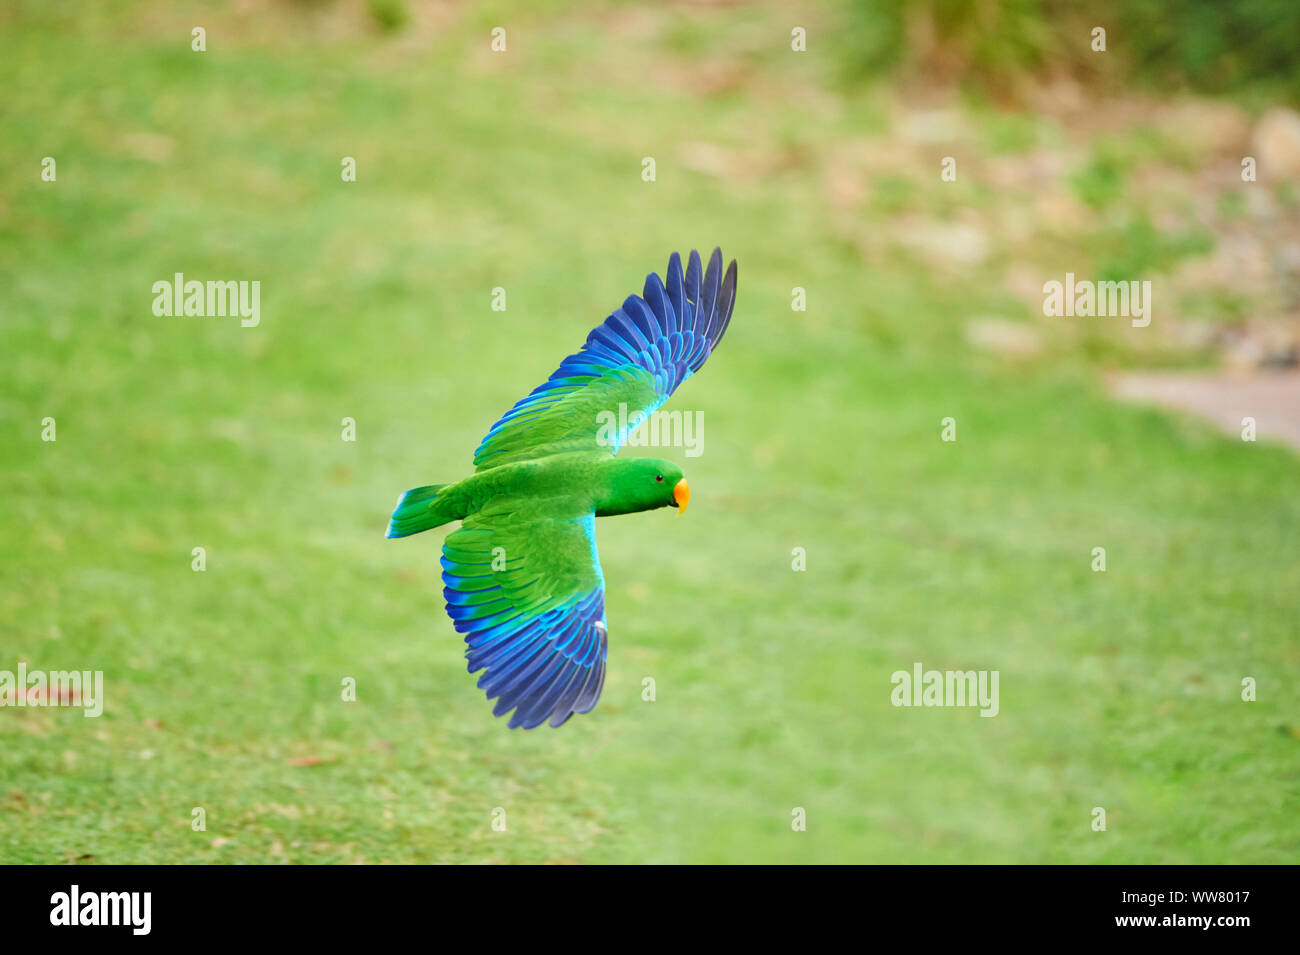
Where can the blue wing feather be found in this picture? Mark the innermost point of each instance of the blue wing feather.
(542, 655)
(667, 333)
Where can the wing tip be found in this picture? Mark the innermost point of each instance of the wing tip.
(710, 290)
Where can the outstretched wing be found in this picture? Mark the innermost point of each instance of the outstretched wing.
(525, 588)
(636, 358)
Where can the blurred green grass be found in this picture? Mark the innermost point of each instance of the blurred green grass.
(1119, 690)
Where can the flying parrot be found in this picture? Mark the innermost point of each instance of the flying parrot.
(522, 577)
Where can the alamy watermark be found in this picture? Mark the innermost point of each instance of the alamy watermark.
(208, 299)
(83, 688)
(1086, 299)
(923, 687)
(130, 909)
(660, 429)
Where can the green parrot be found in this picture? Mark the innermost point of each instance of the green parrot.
(522, 577)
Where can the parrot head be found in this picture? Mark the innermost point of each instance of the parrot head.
(642, 484)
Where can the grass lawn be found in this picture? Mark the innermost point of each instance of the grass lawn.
(523, 170)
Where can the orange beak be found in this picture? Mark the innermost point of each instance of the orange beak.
(682, 495)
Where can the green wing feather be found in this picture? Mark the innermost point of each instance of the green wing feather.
(568, 417)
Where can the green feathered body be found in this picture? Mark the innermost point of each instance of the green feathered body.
(572, 484)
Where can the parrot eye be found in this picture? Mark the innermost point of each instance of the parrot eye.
(659, 478)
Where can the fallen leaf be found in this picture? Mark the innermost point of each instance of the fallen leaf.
(310, 760)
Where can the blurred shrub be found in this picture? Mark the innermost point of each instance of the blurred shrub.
(389, 14)
(1207, 45)
(1101, 181)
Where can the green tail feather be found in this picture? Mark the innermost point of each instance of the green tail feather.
(418, 510)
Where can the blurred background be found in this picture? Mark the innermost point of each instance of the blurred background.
(808, 141)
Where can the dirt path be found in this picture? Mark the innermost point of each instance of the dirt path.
(1273, 400)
